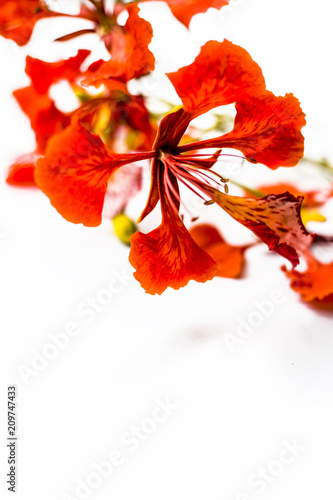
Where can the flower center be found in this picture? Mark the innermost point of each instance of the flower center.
(195, 171)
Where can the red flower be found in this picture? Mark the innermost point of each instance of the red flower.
(77, 165)
(123, 118)
(82, 164)
(130, 56)
(46, 120)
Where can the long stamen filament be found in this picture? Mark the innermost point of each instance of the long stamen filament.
(171, 187)
(167, 193)
(194, 174)
(196, 170)
(185, 172)
(179, 177)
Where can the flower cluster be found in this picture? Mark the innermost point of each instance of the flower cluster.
(96, 151)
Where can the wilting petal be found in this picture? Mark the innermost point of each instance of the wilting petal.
(312, 199)
(31, 102)
(275, 219)
(222, 73)
(130, 56)
(184, 10)
(46, 120)
(314, 285)
(230, 258)
(75, 171)
(21, 173)
(43, 74)
(267, 130)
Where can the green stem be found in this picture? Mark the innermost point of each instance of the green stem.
(256, 193)
(323, 163)
(103, 18)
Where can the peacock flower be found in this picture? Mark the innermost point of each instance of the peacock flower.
(77, 165)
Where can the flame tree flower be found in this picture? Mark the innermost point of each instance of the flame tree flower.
(77, 165)
(112, 110)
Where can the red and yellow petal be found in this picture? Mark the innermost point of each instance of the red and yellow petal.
(43, 74)
(222, 73)
(314, 285)
(275, 219)
(168, 256)
(75, 171)
(267, 130)
(130, 56)
(230, 258)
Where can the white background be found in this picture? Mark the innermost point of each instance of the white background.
(237, 405)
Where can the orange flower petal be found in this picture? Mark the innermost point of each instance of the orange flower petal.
(267, 130)
(21, 173)
(169, 257)
(230, 258)
(184, 10)
(130, 56)
(275, 219)
(46, 120)
(222, 73)
(75, 171)
(43, 74)
(314, 285)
